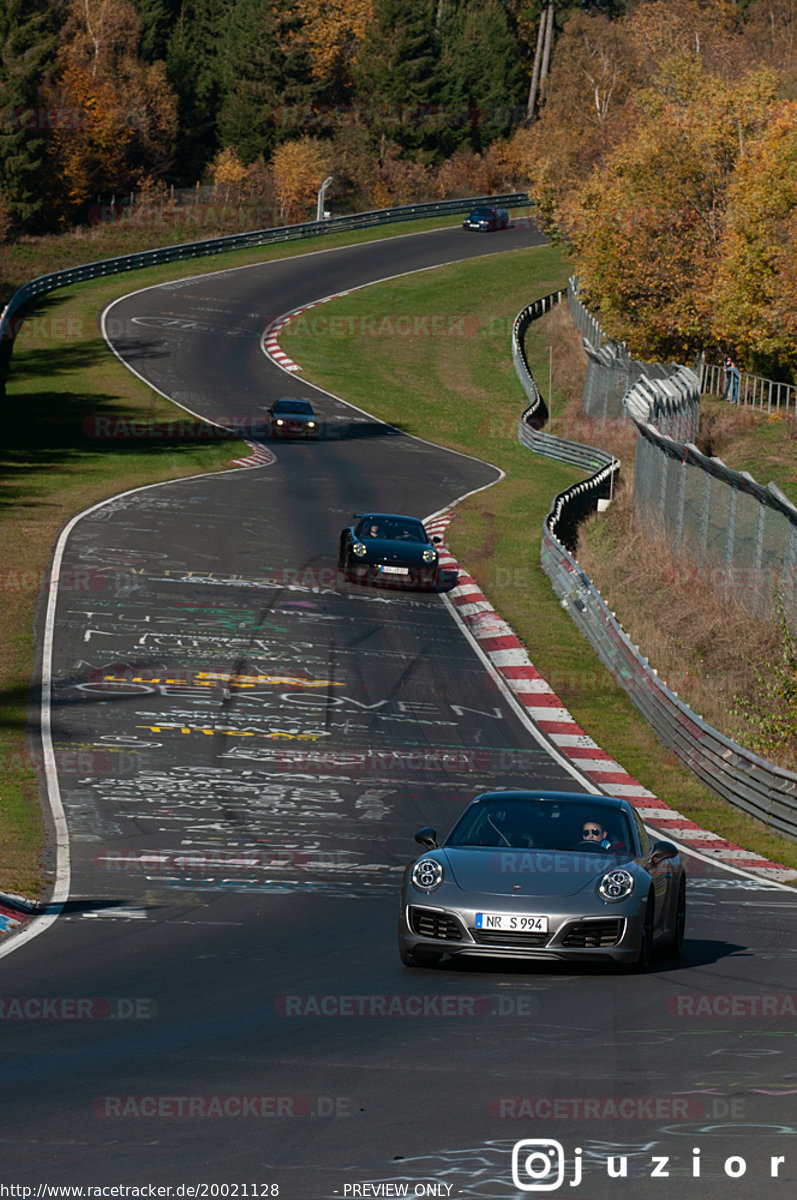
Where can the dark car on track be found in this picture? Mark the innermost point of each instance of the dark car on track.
(292, 418)
(389, 548)
(544, 875)
(484, 218)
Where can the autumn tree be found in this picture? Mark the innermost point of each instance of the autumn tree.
(754, 289)
(594, 76)
(770, 29)
(299, 167)
(116, 114)
(647, 226)
(228, 174)
(334, 33)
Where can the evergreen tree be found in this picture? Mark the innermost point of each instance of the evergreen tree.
(483, 83)
(158, 19)
(28, 38)
(397, 79)
(195, 70)
(262, 77)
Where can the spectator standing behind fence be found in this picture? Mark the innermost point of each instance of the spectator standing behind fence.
(732, 379)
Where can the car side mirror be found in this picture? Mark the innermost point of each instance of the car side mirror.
(662, 851)
(427, 837)
(437, 541)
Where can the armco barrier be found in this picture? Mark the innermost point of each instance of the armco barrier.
(532, 420)
(237, 241)
(739, 776)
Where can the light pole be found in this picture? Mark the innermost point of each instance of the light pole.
(319, 212)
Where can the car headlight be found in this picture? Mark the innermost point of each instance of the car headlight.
(427, 874)
(311, 424)
(359, 549)
(430, 556)
(280, 421)
(617, 884)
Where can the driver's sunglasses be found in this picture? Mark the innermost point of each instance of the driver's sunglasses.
(592, 832)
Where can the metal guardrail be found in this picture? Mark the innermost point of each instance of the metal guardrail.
(671, 404)
(238, 241)
(763, 394)
(739, 776)
(532, 420)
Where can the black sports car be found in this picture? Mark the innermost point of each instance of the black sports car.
(389, 548)
(544, 875)
(292, 418)
(487, 218)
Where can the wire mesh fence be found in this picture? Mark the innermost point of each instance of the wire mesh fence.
(740, 535)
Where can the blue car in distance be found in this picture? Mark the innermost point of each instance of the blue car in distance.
(485, 218)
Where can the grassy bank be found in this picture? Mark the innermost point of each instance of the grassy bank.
(462, 391)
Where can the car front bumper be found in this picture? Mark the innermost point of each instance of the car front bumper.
(612, 935)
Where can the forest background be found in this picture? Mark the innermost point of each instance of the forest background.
(658, 138)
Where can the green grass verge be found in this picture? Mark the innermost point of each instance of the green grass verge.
(61, 373)
(458, 388)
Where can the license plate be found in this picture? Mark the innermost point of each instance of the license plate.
(511, 922)
(395, 570)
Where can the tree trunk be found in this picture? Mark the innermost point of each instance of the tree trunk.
(546, 54)
(535, 75)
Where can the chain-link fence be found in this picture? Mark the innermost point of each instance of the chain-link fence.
(611, 372)
(742, 534)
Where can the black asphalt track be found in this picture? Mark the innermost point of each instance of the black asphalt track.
(245, 747)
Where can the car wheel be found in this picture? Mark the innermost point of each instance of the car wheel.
(418, 958)
(641, 963)
(674, 944)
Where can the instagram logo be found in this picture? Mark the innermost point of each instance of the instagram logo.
(538, 1164)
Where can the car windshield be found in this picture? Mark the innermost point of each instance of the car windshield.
(482, 212)
(541, 824)
(293, 406)
(393, 529)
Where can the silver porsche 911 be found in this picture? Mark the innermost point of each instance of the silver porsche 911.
(544, 875)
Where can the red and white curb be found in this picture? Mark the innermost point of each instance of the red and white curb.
(509, 657)
(271, 336)
(15, 911)
(261, 456)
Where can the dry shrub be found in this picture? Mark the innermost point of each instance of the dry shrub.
(708, 650)
(569, 375)
(722, 424)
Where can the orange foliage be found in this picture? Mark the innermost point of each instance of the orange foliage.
(333, 32)
(299, 168)
(106, 102)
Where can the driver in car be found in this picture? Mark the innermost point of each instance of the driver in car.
(594, 832)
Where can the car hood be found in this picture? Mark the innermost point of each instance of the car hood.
(499, 872)
(388, 550)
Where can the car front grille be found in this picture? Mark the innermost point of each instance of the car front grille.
(591, 934)
(430, 923)
(495, 937)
